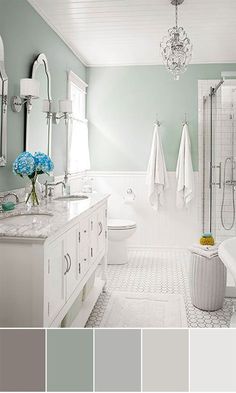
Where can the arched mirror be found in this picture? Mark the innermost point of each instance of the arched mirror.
(38, 126)
(3, 107)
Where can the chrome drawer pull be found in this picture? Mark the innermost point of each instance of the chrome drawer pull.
(69, 262)
(101, 228)
(67, 265)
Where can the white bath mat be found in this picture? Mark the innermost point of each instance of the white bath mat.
(127, 309)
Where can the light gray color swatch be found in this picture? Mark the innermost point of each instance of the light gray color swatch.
(22, 360)
(118, 360)
(212, 360)
(70, 360)
(165, 360)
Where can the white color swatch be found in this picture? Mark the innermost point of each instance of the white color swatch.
(212, 360)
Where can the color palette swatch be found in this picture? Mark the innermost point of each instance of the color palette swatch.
(22, 360)
(117, 360)
(70, 360)
(165, 354)
(212, 360)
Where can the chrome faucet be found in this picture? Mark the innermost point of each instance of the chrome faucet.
(66, 177)
(10, 194)
(50, 186)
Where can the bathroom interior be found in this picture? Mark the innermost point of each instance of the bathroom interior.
(117, 163)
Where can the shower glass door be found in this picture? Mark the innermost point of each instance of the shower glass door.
(219, 157)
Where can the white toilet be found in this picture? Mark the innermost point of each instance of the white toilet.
(118, 232)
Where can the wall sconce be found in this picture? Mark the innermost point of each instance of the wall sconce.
(29, 89)
(65, 110)
(48, 109)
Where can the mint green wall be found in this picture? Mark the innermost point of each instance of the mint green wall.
(122, 107)
(122, 101)
(25, 35)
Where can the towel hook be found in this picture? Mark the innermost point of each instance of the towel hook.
(185, 119)
(157, 122)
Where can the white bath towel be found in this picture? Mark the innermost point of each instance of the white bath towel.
(207, 253)
(207, 247)
(184, 171)
(157, 179)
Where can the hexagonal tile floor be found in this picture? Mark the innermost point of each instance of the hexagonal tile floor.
(159, 272)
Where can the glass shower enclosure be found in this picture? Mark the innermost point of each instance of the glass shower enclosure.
(219, 160)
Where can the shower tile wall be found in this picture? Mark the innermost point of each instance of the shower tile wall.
(222, 109)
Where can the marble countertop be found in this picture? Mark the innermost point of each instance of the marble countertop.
(49, 218)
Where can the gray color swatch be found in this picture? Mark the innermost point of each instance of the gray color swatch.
(22, 360)
(70, 360)
(117, 360)
(212, 360)
(165, 360)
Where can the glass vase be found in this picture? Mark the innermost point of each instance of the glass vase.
(32, 198)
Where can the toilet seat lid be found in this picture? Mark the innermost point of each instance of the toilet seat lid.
(121, 224)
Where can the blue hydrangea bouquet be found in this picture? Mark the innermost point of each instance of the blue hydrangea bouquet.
(29, 165)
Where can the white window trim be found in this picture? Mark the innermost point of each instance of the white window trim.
(74, 78)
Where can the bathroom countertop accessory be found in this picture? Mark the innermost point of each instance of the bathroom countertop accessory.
(9, 194)
(7, 206)
(207, 239)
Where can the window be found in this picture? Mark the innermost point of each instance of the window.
(78, 159)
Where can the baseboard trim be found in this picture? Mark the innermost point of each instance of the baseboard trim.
(230, 292)
(157, 248)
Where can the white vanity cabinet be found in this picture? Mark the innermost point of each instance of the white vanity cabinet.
(56, 291)
(102, 229)
(98, 233)
(40, 279)
(63, 272)
(83, 239)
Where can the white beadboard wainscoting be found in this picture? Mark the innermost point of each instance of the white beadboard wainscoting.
(169, 227)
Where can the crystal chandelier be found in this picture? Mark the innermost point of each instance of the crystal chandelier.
(176, 48)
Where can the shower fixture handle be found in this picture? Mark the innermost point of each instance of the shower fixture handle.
(230, 183)
(220, 175)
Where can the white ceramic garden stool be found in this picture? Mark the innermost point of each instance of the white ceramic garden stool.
(207, 282)
(118, 233)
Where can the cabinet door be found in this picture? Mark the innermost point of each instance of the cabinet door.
(70, 252)
(93, 238)
(56, 294)
(84, 246)
(102, 228)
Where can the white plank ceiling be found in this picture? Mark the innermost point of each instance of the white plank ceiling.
(125, 32)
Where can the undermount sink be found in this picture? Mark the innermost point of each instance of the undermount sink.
(27, 219)
(71, 198)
